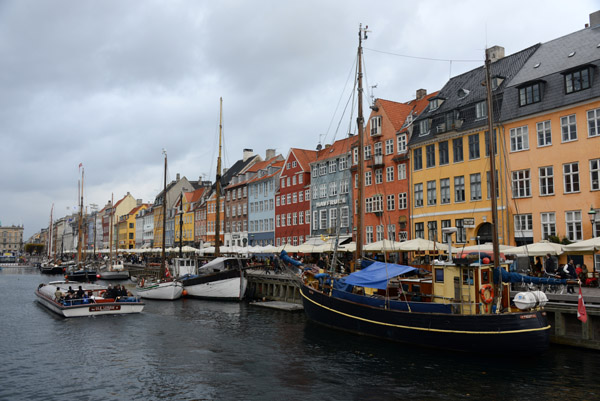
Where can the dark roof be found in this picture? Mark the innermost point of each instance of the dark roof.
(473, 91)
(552, 60)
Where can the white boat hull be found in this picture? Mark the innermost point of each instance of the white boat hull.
(228, 289)
(169, 290)
(92, 307)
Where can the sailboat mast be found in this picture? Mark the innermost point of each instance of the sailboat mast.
(164, 218)
(51, 233)
(361, 155)
(80, 220)
(110, 240)
(218, 187)
(181, 226)
(491, 151)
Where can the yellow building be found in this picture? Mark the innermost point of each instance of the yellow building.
(126, 228)
(185, 209)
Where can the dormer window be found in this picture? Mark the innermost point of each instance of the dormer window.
(435, 104)
(496, 82)
(529, 94)
(481, 110)
(423, 127)
(376, 126)
(462, 93)
(577, 80)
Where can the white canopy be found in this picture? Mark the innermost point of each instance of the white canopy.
(536, 249)
(385, 245)
(420, 244)
(588, 246)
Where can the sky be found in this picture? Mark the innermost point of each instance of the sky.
(111, 83)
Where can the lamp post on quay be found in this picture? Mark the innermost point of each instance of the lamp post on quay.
(592, 215)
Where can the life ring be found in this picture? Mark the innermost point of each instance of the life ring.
(490, 298)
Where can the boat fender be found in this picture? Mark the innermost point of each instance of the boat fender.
(490, 289)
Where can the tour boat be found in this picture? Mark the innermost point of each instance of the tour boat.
(93, 305)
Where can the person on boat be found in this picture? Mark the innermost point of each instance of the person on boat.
(538, 267)
(109, 293)
(58, 295)
(70, 292)
(550, 266)
(571, 273)
(80, 293)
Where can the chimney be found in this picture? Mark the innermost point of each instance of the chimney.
(595, 19)
(270, 154)
(319, 147)
(495, 53)
(139, 202)
(248, 153)
(177, 177)
(421, 93)
(327, 146)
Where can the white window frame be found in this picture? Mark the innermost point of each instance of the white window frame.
(389, 146)
(568, 128)
(573, 226)
(544, 133)
(401, 142)
(519, 139)
(571, 182)
(521, 184)
(595, 174)
(546, 179)
(389, 174)
(548, 224)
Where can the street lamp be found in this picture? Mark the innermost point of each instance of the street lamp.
(592, 215)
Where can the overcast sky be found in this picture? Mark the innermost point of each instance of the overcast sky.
(111, 83)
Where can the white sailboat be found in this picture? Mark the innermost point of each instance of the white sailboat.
(165, 288)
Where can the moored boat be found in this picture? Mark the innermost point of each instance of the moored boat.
(116, 272)
(220, 279)
(93, 304)
(161, 290)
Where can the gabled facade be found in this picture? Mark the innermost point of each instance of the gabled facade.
(331, 190)
(170, 196)
(261, 202)
(450, 171)
(551, 128)
(293, 198)
(127, 227)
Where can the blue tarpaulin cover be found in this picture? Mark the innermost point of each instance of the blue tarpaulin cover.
(376, 275)
(519, 278)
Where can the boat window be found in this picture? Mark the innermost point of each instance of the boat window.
(467, 276)
(439, 275)
(485, 277)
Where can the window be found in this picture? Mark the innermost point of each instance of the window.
(475, 186)
(344, 218)
(402, 201)
(391, 202)
(307, 216)
(445, 190)
(431, 193)
(568, 127)
(459, 189)
(489, 185)
(289, 199)
(315, 195)
(323, 191)
(432, 230)
(461, 233)
(389, 146)
(571, 177)
(391, 230)
(401, 143)
(519, 139)
(487, 143)
(389, 174)
(457, 150)
(332, 166)
(368, 180)
(343, 163)
(344, 186)
(521, 185)
(293, 183)
(355, 155)
(593, 117)
(294, 198)
(418, 195)
(289, 219)
(430, 155)
(379, 176)
(423, 127)
(443, 151)
(367, 152)
(544, 134)
(529, 94)
(301, 218)
(401, 171)
(377, 149)
(548, 221)
(322, 168)
(419, 230)
(595, 174)
(418, 158)
(332, 217)
(523, 225)
(378, 203)
(445, 224)
(473, 146)
(369, 236)
(573, 222)
(300, 197)
(576, 81)
(333, 189)
(546, 180)
(379, 232)
(376, 126)
(481, 110)
(323, 219)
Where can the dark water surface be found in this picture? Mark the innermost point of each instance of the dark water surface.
(191, 349)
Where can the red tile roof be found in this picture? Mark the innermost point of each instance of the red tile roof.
(339, 147)
(304, 157)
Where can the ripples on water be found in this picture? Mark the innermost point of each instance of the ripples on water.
(192, 349)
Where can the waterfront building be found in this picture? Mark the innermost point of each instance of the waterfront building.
(330, 189)
(127, 226)
(550, 125)
(261, 201)
(185, 208)
(168, 197)
(147, 237)
(450, 175)
(11, 239)
(294, 180)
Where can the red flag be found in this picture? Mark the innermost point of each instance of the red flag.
(581, 313)
(167, 274)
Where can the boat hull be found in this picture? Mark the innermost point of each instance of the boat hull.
(52, 270)
(114, 275)
(81, 276)
(88, 309)
(228, 285)
(168, 291)
(525, 332)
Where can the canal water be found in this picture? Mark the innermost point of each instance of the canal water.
(198, 350)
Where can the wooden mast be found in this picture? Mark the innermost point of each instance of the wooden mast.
(218, 186)
(110, 234)
(163, 265)
(361, 156)
(491, 151)
(80, 220)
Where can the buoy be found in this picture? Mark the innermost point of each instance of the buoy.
(184, 293)
(486, 261)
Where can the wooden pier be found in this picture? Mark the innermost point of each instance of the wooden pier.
(272, 286)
